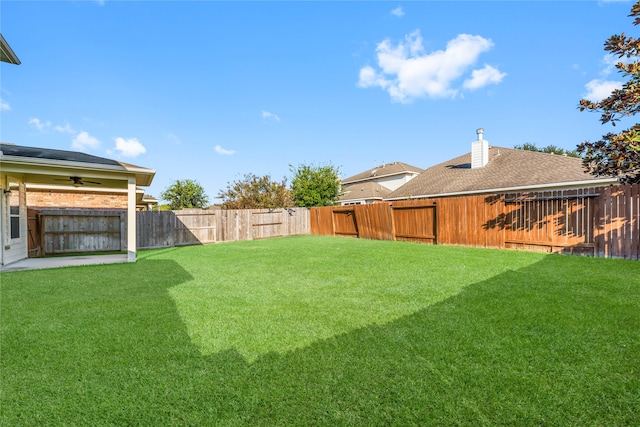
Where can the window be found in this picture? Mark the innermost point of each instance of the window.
(14, 215)
(14, 212)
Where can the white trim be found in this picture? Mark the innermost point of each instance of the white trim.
(131, 221)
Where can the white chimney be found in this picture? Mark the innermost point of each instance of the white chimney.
(479, 151)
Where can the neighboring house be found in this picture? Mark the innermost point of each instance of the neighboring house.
(23, 167)
(498, 170)
(374, 184)
(364, 193)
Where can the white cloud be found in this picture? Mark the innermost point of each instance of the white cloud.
(174, 138)
(483, 77)
(64, 129)
(130, 147)
(267, 115)
(35, 122)
(4, 106)
(223, 151)
(597, 89)
(407, 72)
(398, 12)
(84, 141)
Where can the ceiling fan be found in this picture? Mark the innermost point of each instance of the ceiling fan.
(78, 181)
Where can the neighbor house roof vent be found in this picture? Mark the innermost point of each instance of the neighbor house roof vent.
(479, 151)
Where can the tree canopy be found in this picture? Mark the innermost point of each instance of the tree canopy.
(185, 193)
(618, 154)
(548, 149)
(315, 185)
(256, 192)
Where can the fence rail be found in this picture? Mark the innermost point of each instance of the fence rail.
(603, 221)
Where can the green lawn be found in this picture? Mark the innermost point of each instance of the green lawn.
(323, 331)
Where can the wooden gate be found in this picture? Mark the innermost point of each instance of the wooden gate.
(415, 221)
(344, 223)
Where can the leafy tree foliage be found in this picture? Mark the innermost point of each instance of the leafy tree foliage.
(618, 155)
(548, 149)
(185, 193)
(315, 185)
(256, 192)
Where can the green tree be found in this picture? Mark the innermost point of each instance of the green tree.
(256, 192)
(618, 154)
(315, 185)
(185, 193)
(548, 149)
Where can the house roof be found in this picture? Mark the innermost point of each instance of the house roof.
(384, 170)
(364, 191)
(70, 162)
(508, 169)
(6, 53)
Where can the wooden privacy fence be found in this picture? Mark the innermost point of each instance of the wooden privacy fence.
(157, 229)
(58, 231)
(602, 221)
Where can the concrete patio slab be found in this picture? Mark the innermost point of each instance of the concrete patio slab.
(56, 262)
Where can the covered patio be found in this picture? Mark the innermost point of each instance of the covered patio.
(21, 166)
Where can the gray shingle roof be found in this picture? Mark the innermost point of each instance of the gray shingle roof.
(364, 191)
(387, 169)
(507, 168)
(51, 154)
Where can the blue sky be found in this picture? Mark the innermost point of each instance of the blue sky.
(211, 90)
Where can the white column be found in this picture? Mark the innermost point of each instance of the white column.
(131, 220)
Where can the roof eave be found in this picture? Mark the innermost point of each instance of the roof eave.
(537, 187)
(6, 53)
(143, 176)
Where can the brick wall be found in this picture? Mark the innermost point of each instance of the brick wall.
(75, 199)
